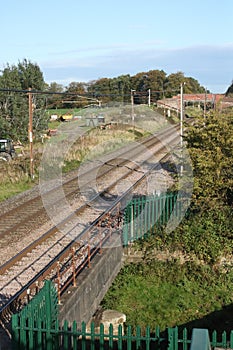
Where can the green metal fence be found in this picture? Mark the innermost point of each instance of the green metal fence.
(69, 337)
(41, 312)
(37, 327)
(200, 339)
(143, 214)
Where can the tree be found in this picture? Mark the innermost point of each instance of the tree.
(75, 90)
(100, 89)
(173, 81)
(54, 100)
(210, 146)
(229, 92)
(14, 104)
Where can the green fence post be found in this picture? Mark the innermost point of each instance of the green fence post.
(110, 339)
(65, 336)
(23, 335)
(153, 214)
(166, 208)
(74, 334)
(173, 338)
(214, 338)
(49, 339)
(15, 332)
(185, 343)
(92, 336)
(101, 347)
(141, 213)
(148, 206)
(83, 335)
(157, 336)
(137, 213)
(56, 335)
(147, 338)
(224, 339)
(48, 309)
(119, 342)
(138, 337)
(129, 338)
(30, 333)
(176, 338)
(231, 340)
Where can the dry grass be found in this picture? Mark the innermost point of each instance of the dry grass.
(16, 174)
(97, 142)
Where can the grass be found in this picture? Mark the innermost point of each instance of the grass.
(97, 142)
(168, 293)
(14, 176)
(9, 189)
(189, 287)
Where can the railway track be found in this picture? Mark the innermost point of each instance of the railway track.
(75, 240)
(30, 215)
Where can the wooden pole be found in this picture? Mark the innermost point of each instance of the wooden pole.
(30, 133)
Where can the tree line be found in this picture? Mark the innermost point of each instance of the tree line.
(25, 75)
(155, 82)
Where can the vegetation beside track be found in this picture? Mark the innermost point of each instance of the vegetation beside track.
(168, 293)
(15, 175)
(192, 284)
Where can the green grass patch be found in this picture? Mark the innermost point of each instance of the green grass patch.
(168, 293)
(9, 189)
(70, 165)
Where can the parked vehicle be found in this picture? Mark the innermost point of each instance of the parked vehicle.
(7, 150)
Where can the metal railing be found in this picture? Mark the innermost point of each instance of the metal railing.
(143, 214)
(37, 327)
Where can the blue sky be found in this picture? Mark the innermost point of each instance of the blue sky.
(74, 40)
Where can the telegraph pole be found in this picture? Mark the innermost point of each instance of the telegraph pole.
(181, 124)
(149, 97)
(205, 104)
(30, 133)
(132, 106)
(181, 114)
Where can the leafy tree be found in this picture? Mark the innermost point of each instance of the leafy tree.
(210, 145)
(159, 84)
(30, 76)
(156, 81)
(14, 104)
(229, 91)
(153, 80)
(174, 80)
(100, 89)
(120, 88)
(54, 100)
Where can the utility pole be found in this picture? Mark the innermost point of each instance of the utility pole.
(205, 103)
(132, 106)
(181, 124)
(149, 97)
(181, 114)
(30, 133)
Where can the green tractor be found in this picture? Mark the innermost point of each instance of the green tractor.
(7, 150)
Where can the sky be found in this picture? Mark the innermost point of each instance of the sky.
(81, 41)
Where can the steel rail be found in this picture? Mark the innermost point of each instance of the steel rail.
(6, 266)
(63, 254)
(33, 284)
(33, 203)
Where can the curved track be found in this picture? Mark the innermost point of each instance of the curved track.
(78, 236)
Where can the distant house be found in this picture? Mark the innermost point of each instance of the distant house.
(190, 99)
(226, 102)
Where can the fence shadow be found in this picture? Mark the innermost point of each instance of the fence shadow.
(220, 321)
